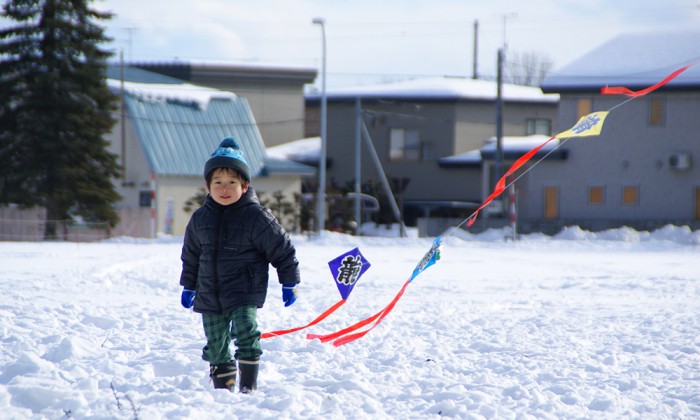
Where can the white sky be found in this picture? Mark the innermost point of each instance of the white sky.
(372, 41)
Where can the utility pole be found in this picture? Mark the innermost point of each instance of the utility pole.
(358, 165)
(122, 115)
(475, 70)
(499, 115)
(321, 204)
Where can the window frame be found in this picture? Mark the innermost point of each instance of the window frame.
(657, 111)
(596, 195)
(401, 152)
(584, 106)
(630, 195)
(532, 123)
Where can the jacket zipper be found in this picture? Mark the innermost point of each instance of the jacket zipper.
(217, 245)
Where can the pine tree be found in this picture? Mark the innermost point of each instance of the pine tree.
(55, 108)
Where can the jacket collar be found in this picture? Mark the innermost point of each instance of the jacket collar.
(248, 198)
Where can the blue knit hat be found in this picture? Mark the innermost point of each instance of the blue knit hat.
(228, 155)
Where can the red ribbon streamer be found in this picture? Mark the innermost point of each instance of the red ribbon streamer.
(352, 337)
(621, 90)
(343, 336)
(501, 184)
(310, 324)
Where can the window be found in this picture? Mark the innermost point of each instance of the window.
(657, 111)
(551, 202)
(584, 106)
(404, 144)
(538, 126)
(630, 195)
(596, 195)
(145, 198)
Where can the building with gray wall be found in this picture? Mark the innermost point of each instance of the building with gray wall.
(643, 171)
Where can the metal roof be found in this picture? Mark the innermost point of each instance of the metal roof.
(632, 60)
(178, 137)
(179, 124)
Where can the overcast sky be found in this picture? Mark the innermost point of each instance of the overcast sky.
(381, 40)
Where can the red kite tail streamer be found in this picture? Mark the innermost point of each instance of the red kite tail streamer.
(501, 184)
(381, 314)
(310, 324)
(618, 90)
(621, 90)
(352, 337)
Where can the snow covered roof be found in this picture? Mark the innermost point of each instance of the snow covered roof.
(209, 63)
(308, 149)
(183, 93)
(632, 60)
(513, 148)
(450, 88)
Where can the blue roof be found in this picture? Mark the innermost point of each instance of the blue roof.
(179, 125)
(178, 137)
(634, 61)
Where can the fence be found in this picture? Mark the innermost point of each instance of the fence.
(28, 225)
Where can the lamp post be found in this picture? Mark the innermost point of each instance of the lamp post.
(321, 205)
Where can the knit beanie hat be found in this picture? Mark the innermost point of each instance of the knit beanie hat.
(227, 155)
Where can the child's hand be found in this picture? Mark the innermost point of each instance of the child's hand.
(289, 294)
(187, 298)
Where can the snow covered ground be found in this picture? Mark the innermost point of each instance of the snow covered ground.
(579, 325)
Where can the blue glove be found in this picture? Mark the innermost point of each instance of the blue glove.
(187, 298)
(289, 294)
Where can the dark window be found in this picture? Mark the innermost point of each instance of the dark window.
(145, 198)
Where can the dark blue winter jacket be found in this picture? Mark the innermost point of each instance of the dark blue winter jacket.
(227, 253)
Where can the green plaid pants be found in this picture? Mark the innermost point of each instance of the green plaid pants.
(241, 326)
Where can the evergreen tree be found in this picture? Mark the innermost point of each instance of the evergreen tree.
(55, 108)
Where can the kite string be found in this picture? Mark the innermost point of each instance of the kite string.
(474, 214)
(347, 335)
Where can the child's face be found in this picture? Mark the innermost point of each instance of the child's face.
(226, 187)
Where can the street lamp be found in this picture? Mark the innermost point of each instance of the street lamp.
(321, 205)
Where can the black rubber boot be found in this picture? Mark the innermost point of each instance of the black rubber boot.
(223, 376)
(249, 375)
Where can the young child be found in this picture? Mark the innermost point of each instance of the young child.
(229, 244)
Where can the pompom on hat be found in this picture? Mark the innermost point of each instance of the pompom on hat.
(228, 155)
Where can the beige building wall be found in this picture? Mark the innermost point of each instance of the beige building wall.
(275, 94)
(137, 176)
(279, 112)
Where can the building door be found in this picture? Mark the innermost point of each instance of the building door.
(697, 203)
(551, 202)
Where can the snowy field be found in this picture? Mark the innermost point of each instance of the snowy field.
(579, 325)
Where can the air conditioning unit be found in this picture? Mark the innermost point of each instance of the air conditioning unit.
(679, 161)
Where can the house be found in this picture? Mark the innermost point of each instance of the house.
(643, 171)
(275, 94)
(414, 124)
(167, 129)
